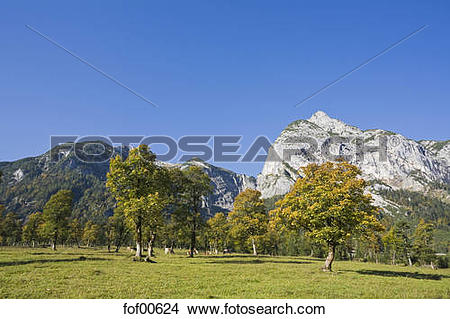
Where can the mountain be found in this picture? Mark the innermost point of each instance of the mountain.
(439, 149)
(28, 183)
(227, 185)
(413, 178)
(407, 165)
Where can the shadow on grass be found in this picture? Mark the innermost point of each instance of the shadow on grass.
(65, 253)
(249, 259)
(415, 275)
(258, 256)
(257, 262)
(42, 261)
(59, 253)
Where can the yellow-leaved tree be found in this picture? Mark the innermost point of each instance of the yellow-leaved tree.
(329, 204)
(248, 219)
(138, 185)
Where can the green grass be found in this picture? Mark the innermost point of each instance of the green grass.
(41, 273)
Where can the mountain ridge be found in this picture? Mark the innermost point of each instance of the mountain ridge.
(29, 182)
(410, 165)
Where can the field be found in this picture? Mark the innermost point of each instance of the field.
(95, 273)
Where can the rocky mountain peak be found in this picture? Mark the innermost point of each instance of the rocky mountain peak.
(407, 164)
(332, 125)
(319, 116)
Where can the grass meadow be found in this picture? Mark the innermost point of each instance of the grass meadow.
(95, 273)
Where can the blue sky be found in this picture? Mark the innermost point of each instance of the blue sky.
(219, 67)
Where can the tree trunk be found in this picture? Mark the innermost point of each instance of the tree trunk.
(118, 242)
(192, 248)
(117, 248)
(138, 249)
(254, 248)
(54, 242)
(409, 259)
(138, 243)
(393, 258)
(330, 258)
(151, 244)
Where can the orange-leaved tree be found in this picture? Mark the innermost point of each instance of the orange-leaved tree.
(329, 204)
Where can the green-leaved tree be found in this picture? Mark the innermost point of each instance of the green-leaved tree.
(11, 229)
(195, 185)
(56, 215)
(118, 230)
(423, 243)
(218, 227)
(31, 230)
(398, 242)
(248, 220)
(91, 233)
(75, 232)
(138, 184)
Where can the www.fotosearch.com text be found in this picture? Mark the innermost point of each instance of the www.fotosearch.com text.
(167, 308)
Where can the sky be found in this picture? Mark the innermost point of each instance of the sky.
(219, 68)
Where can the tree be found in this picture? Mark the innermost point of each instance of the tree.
(175, 229)
(31, 229)
(218, 231)
(138, 185)
(248, 219)
(403, 233)
(374, 244)
(2, 209)
(170, 233)
(11, 229)
(195, 184)
(150, 208)
(272, 240)
(92, 233)
(423, 243)
(329, 204)
(57, 212)
(398, 241)
(117, 229)
(75, 232)
(391, 243)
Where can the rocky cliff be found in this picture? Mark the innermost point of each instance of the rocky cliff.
(387, 159)
(227, 185)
